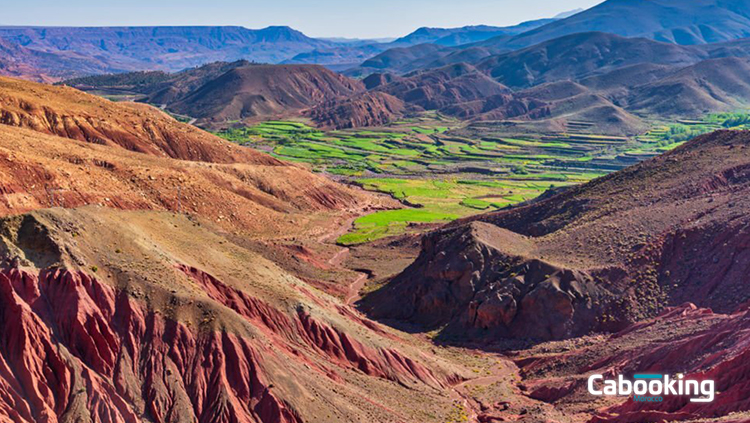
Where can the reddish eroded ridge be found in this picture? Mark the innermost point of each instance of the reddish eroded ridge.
(686, 339)
(303, 332)
(74, 349)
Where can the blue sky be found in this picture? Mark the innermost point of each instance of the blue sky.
(319, 18)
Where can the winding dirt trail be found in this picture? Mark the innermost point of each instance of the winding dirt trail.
(476, 411)
(353, 295)
(338, 258)
(341, 229)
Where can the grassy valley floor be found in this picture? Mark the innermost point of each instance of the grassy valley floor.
(443, 169)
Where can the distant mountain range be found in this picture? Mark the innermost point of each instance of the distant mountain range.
(466, 34)
(343, 57)
(684, 22)
(613, 65)
(66, 52)
(596, 77)
(55, 53)
(611, 81)
(680, 22)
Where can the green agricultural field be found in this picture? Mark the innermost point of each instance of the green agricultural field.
(438, 200)
(391, 222)
(444, 170)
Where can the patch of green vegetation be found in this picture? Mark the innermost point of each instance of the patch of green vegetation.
(666, 137)
(345, 171)
(492, 169)
(390, 222)
(438, 200)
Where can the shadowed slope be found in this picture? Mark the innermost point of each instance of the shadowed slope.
(683, 22)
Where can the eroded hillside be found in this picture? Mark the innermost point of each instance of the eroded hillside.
(146, 316)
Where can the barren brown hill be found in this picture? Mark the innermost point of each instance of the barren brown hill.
(220, 93)
(155, 87)
(462, 91)
(258, 91)
(69, 113)
(567, 101)
(403, 59)
(63, 147)
(446, 86)
(272, 198)
(709, 86)
(627, 77)
(183, 83)
(594, 258)
(365, 109)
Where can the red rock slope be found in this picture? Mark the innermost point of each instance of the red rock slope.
(685, 339)
(119, 316)
(69, 113)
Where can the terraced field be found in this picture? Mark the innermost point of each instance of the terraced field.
(444, 170)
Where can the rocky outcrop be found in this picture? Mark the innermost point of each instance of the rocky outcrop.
(304, 329)
(75, 348)
(481, 278)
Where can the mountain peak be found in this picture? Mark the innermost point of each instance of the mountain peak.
(280, 33)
